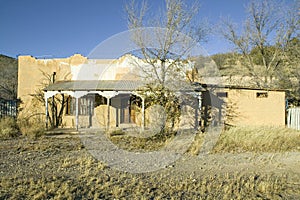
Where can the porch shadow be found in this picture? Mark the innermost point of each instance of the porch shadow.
(62, 131)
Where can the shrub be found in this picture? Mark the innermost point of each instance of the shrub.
(32, 127)
(8, 127)
(131, 143)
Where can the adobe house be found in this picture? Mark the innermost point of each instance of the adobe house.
(114, 100)
(111, 101)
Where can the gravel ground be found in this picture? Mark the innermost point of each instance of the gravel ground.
(64, 157)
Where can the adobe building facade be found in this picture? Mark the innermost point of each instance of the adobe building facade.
(99, 104)
(255, 107)
(35, 74)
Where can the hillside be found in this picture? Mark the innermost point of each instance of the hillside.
(9, 77)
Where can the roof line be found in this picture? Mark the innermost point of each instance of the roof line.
(241, 87)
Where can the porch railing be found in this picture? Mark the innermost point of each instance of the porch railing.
(8, 108)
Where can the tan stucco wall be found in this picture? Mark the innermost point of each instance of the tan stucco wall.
(32, 78)
(244, 108)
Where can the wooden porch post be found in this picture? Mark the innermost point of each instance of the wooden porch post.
(108, 95)
(76, 112)
(196, 124)
(47, 114)
(108, 113)
(143, 114)
(199, 118)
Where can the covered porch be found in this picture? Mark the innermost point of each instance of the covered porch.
(95, 103)
(111, 104)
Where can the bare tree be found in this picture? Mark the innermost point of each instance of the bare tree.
(262, 41)
(176, 32)
(166, 49)
(56, 104)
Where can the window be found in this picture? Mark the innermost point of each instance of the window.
(100, 100)
(222, 94)
(261, 95)
(85, 106)
(69, 105)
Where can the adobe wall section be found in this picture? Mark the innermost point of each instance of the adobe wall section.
(34, 74)
(255, 107)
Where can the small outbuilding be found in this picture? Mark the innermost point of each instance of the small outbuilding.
(246, 106)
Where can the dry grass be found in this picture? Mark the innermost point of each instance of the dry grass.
(8, 128)
(258, 139)
(95, 181)
(131, 143)
(196, 146)
(31, 127)
(60, 168)
(233, 140)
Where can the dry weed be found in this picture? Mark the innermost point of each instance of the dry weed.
(137, 144)
(258, 139)
(8, 128)
(197, 144)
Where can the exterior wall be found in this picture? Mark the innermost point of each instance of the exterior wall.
(99, 119)
(245, 108)
(30, 74)
(32, 78)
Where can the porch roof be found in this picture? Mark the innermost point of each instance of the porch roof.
(95, 85)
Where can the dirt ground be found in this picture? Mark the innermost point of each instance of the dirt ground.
(62, 168)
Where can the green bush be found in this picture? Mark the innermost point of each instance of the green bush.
(8, 128)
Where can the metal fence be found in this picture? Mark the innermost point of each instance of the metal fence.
(8, 108)
(293, 118)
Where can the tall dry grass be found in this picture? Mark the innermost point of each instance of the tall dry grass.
(258, 139)
(130, 143)
(232, 140)
(31, 126)
(136, 141)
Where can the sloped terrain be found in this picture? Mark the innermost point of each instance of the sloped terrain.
(9, 77)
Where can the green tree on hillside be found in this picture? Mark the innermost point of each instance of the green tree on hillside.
(225, 63)
(290, 78)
